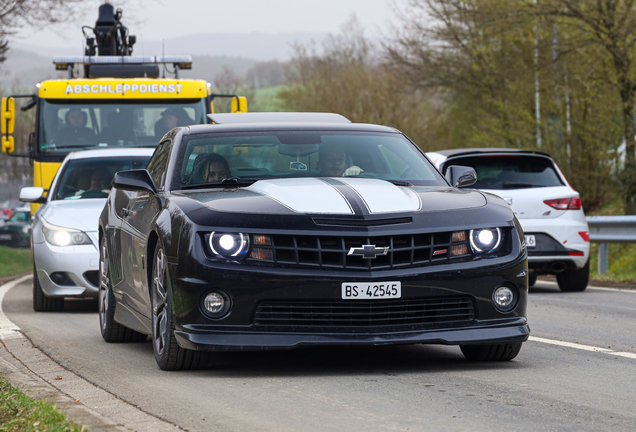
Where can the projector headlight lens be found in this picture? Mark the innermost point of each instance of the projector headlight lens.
(58, 236)
(485, 240)
(229, 245)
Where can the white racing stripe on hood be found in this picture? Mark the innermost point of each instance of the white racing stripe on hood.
(304, 195)
(383, 197)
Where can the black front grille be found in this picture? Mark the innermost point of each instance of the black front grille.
(361, 313)
(410, 250)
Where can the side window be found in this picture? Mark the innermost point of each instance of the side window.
(158, 164)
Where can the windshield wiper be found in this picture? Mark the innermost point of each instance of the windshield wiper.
(400, 182)
(225, 183)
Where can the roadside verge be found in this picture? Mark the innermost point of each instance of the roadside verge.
(40, 377)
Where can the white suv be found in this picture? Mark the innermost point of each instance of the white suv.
(547, 207)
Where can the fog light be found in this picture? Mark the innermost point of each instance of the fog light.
(504, 299)
(216, 304)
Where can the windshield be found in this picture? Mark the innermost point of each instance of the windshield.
(290, 154)
(90, 178)
(510, 172)
(69, 125)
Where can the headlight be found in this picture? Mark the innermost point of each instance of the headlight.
(26, 229)
(229, 245)
(485, 240)
(59, 236)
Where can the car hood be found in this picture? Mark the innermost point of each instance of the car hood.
(334, 196)
(77, 214)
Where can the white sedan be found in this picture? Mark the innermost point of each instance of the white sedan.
(548, 208)
(64, 239)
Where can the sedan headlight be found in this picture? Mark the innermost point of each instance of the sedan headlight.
(229, 245)
(58, 236)
(26, 229)
(485, 240)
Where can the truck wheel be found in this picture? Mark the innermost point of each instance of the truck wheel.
(168, 354)
(42, 303)
(491, 352)
(574, 280)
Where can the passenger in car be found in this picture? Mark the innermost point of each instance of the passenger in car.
(170, 119)
(75, 130)
(332, 162)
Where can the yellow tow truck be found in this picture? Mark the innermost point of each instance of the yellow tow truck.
(120, 101)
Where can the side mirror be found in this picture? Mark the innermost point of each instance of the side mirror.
(239, 104)
(7, 122)
(134, 180)
(32, 194)
(460, 176)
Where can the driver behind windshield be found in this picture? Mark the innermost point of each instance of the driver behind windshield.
(332, 162)
(98, 185)
(210, 168)
(75, 130)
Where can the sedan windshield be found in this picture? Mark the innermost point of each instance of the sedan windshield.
(68, 126)
(90, 178)
(510, 172)
(225, 159)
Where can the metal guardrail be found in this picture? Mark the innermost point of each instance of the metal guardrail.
(610, 229)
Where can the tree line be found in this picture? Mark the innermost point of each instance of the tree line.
(550, 75)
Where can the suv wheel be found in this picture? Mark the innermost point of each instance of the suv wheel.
(574, 280)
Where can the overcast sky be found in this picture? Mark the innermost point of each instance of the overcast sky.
(158, 19)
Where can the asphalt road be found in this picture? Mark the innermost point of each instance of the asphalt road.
(550, 386)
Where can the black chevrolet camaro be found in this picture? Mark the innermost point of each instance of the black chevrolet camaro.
(275, 231)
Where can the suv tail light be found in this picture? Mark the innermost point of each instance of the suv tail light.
(573, 203)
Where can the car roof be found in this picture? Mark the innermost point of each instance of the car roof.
(111, 152)
(486, 150)
(278, 117)
(288, 126)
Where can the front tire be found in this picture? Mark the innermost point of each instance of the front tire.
(168, 354)
(111, 330)
(491, 352)
(574, 280)
(42, 303)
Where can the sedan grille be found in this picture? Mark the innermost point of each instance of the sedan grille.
(410, 250)
(414, 312)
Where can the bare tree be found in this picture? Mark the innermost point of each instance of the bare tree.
(15, 14)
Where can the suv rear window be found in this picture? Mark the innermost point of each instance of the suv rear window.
(510, 172)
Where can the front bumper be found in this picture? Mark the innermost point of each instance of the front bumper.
(250, 286)
(80, 264)
(196, 338)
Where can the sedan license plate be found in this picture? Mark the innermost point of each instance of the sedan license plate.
(366, 291)
(531, 241)
(5, 236)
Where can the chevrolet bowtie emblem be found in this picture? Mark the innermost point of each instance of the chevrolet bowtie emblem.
(368, 251)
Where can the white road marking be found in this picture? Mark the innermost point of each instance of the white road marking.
(7, 328)
(582, 347)
(623, 290)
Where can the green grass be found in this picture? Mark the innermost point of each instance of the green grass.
(14, 261)
(266, 99)
(622, 256)
(19, 412)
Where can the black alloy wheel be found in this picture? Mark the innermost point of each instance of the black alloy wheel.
(42, 303)
(574, 280)
(111, 330)
(168, 354)
(491, 352)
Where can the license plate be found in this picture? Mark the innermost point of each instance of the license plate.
(5, 236)
(366, 291)
(531, 241)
